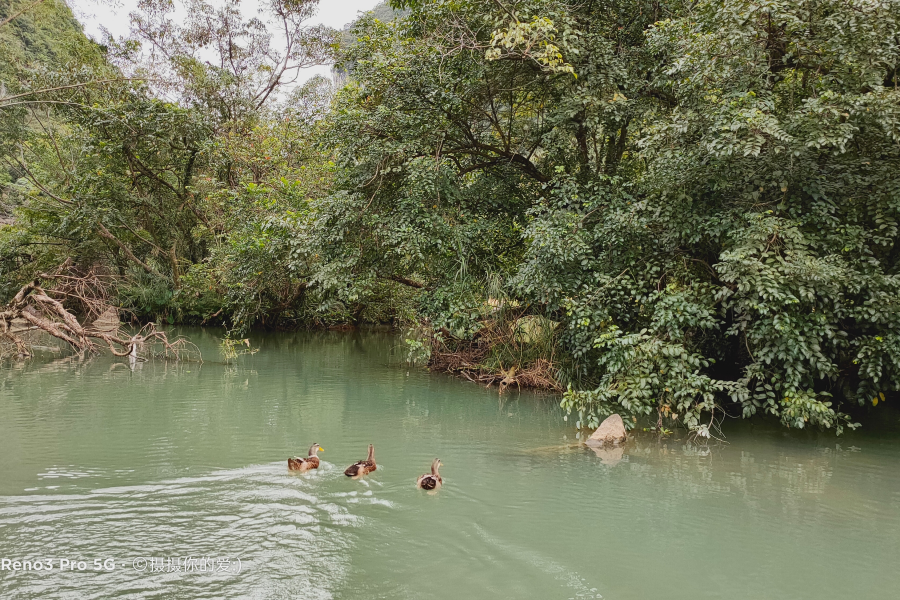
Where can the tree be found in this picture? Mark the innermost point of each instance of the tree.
(702, 194)
(143, 150)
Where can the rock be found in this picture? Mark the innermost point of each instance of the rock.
(611, 431)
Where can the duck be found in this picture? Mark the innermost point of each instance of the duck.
(305, 464)
(363, 467)
(433, 480)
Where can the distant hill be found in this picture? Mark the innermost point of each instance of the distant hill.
(47, 33)
(382, 12)
(385, 12)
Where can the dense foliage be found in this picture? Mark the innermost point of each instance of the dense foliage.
(697, 201)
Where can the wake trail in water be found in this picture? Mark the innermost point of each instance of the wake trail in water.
(559, 572)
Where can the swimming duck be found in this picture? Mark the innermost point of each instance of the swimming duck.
(431, 481)
(363, 467)
(305, 464)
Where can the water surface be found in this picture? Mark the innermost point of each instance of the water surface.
(169, 462)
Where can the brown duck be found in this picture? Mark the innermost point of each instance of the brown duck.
(433, 480)
(363, 467)
(305, 464)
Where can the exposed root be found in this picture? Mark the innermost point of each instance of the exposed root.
(472, 359)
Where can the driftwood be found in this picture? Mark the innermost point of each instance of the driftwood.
(35, 308)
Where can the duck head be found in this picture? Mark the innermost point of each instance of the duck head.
(314, 449)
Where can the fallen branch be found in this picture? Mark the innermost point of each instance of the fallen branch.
(44, 311)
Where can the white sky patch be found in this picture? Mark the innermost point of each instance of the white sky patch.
(113, 15)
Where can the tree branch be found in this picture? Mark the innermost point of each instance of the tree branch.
(408, 282)
(69, 87)
(104, 232)
(34, 180)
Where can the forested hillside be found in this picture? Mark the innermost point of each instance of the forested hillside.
(684, 210)
(40, 34)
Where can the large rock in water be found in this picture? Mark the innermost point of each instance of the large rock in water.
(611, 431)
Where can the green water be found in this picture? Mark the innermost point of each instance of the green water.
(174, 461)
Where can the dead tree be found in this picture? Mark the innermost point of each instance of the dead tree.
(37, 309)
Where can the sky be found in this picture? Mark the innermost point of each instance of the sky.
(113, 15)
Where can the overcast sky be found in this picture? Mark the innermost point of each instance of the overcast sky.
(113, 15)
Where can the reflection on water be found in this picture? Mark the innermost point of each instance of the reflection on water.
(168, 461)
(609, 456)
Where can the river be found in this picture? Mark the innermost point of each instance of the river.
(173, 478)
